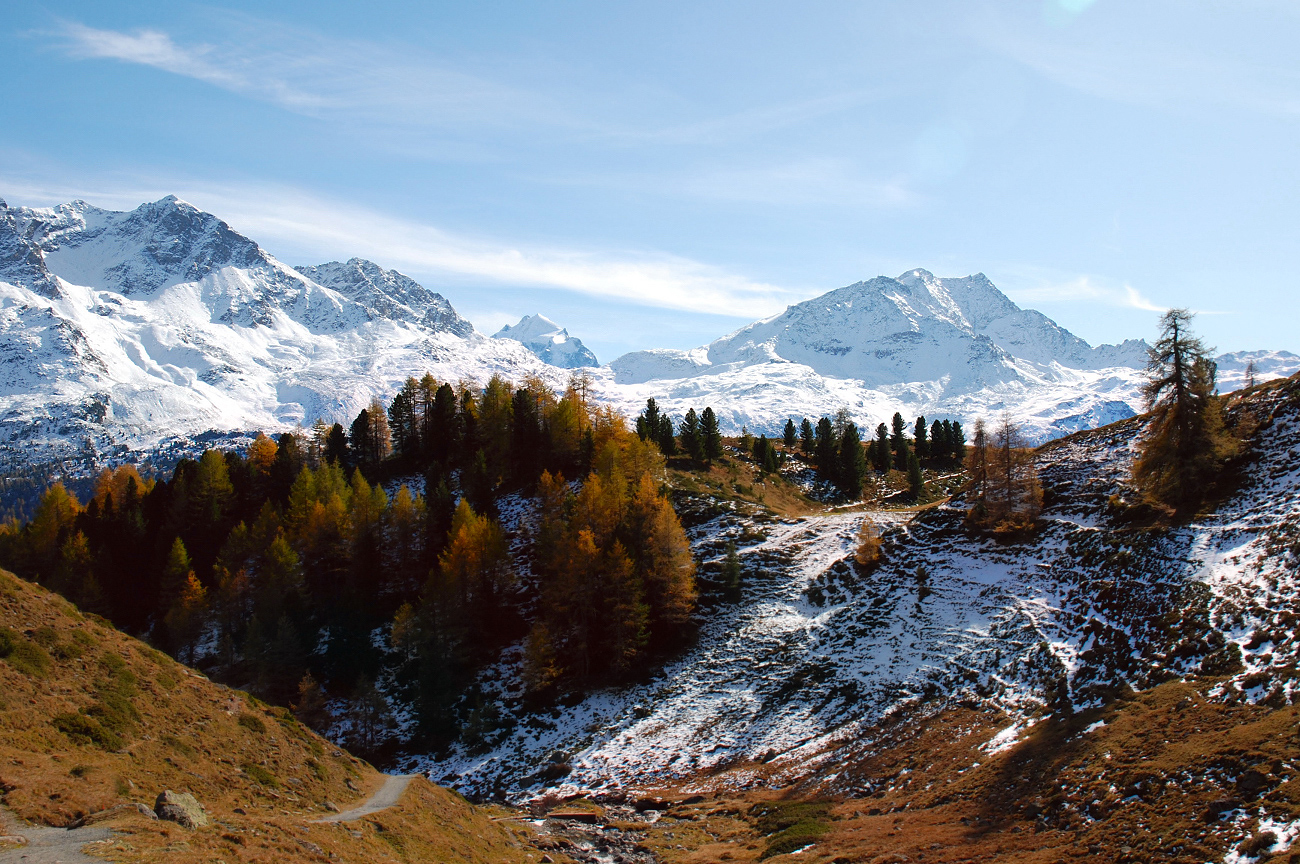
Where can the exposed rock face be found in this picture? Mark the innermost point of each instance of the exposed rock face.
(181, 808)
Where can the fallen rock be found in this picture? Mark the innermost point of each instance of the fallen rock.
(181, 808)
(330, 806)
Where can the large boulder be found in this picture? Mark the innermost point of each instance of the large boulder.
(180, 807)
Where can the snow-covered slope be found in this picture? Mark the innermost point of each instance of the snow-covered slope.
(127, 329)
(549, 341)
(817, 651)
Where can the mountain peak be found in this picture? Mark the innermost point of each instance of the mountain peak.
(388, 294)
(549, 341)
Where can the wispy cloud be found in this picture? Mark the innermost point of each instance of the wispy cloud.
(1141, 56)
(329, 229)
(316, 75)
(1084, 289)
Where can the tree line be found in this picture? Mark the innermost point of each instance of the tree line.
(275, 567)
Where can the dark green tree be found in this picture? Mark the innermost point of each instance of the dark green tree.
(807, 438)
(647, 424)
(790, 434)
(336, 445)
(732, 572)
(827, 451)
(692, 442)
(921, 436)
(898, 442)
(442, 433)
(883, 452)
(957, 442)
(359, 437)
(853, 463)
(710, 435)
(915, 479)
(666, 439)
(938, 441)
(402, 421)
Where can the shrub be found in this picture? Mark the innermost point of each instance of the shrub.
(252, 723)
(791, 825)
(85, 730)
(8, 639)
(260, 775)
(29, 659)
(1258, 844)
(179, 746)
(797, 836)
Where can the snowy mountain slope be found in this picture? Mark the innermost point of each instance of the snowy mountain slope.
(943, 348)
(127, 329)
(894, 331)
(387, 294)
(817, 652)
(549, 341)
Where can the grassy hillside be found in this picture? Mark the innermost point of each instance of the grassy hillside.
(91, 718)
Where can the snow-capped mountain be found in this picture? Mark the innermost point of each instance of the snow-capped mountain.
(121, 330)
(126, 329)
(944, 348)
(549, 341)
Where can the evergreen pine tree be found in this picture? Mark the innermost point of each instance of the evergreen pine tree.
(732, 573)
(921, 436)
(915, 479)
(666, 439)
(443, 437)
(883, 452)
(853, 463)
(692, 442)
(402, 420)
(647, 425)
(360, 436)
(807, 439)
(898, 442)
(790, 435)
(336, 445)
(827, 453)
(759, 449)
(710, 435)
(938, 441)
(771, 461)
(957, 442)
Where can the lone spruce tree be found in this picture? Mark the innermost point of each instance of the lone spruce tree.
(710, 437)
(1185, 442)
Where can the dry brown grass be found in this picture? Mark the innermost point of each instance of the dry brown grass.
(1142, 788)
(261, 776)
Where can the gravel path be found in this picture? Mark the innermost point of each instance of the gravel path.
(50, 845)
(386, 797)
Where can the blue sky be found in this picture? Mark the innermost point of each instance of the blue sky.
(657, 174)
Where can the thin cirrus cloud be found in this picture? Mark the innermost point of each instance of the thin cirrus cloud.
(311, 225)
(1085, 289)
(311, 74)
(1127, 64)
